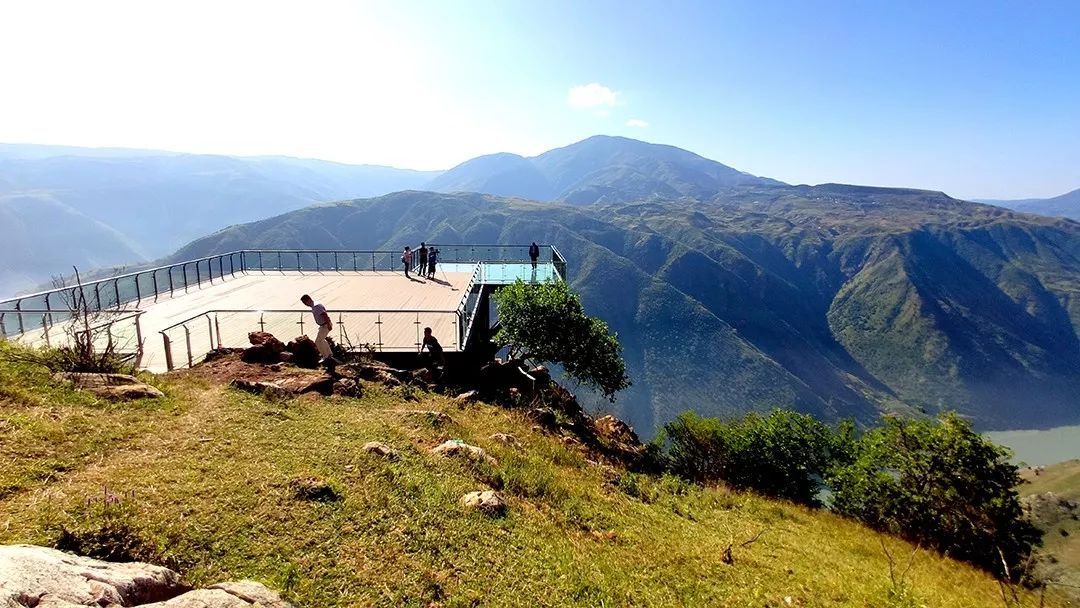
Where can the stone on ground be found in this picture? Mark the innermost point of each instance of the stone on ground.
(487, 501)
(380, 449)
(506, 438)
(456, 447)
(116, 387)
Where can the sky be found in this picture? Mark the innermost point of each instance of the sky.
(979, 99)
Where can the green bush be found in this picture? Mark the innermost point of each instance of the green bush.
(783, 454)
(942, 485)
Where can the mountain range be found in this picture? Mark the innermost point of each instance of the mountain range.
(1066, 205)
(110, 207)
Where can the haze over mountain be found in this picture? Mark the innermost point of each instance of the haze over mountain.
(842, 301)
(598, 169)
(106, 207)
(1066, 205)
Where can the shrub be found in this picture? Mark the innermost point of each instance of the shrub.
(942, 485)
(783, 454)
(547, 322)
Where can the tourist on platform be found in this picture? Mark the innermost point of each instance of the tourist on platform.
(422, 265)
(406, 259)
(322, 319)
(534, 254)
(433, 258)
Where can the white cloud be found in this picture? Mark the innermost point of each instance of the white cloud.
(637, 122)
(592, 95)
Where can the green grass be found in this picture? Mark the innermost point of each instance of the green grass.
(205, 482)
(1062, 479)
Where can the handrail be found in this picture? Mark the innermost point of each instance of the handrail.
(303, 311)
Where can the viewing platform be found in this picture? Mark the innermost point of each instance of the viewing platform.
(171, 316)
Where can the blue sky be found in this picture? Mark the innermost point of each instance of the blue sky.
(976, 99)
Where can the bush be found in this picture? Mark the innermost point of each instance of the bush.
(942, 485)
(783, 454)
(547, 322)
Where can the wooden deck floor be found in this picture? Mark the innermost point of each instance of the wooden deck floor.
(281, 291)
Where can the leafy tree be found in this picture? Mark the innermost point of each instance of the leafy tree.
(783, 454)
(547, 322)
(942, 485)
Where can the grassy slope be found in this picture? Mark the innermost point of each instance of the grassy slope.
(204, 479)
(1062, 479)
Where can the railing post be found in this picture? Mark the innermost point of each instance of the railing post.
(116, 291)
(170, 281)
(210, 269)
(262, 322)
(354, 261)
(217, 328)
(45, 326)
(3, 330)
(184, 268)
(97, 296)
(18, 306)
(187, 339)
(317, 267)
(138, 340)
(138, 290)
(210, 329)
(198, 275)
(378, 326)
(298, 260)
(336, 262)
(279, 261)
(153, 277)
(418, 332)
(168, 351)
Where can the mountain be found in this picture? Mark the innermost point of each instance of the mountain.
(598, 169)
(840, 301)
(115, 206)
(1066, 205)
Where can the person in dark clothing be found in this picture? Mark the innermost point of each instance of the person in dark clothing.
(435, 350)
(534, 253)
(433, 257)
(422, 265)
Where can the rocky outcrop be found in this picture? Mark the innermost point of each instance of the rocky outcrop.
(381, 450)
(265, 348)
(488, 502)
(41, 577)
(115, 387)
(506, 438)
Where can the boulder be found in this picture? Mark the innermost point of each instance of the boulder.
(265, 348)
(506, 438)
(488, 502)
(41, 576)
(240, 594)
(308, 383)
(304, 352)
(381, 449)
(467, 397)
(422, 376)
(266, 389)
(116, 387)
(456, 447)
(613, 429)
(347, 387)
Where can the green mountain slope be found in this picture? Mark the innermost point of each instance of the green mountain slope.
(203, 480)
(1066, 205)
(836, 300)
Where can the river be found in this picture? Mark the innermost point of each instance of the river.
(1041, 447)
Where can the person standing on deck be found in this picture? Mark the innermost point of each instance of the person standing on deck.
(534, 254)
(423, 251)
(322, 319)
(406, 259)
(433, 258)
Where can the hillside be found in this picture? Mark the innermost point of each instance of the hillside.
(1066, 205)
(597, 169)
(1058, 515)
(108, 207)
(205, 480)
(840, 301)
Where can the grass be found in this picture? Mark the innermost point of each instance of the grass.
(1062, 540)
(205, 481)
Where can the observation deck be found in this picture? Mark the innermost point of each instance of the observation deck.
(170, 316)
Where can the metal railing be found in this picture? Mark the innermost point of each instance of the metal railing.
(187, 342)
(118, 330)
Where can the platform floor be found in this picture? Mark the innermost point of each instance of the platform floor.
(256, 294)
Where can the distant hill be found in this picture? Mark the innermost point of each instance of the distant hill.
(1066, 205)
(95, 207)
(598, 169)
(841, 301)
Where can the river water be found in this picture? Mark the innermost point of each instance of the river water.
(1041, 447)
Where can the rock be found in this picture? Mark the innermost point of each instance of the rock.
(618, 438)
(276, 367)
(266, 389)
(40, 576)
(262, 338)
(241, 594)
(506, 438)
(456, 447)
(467, 397)
(380, 449)
(285, 357)
(304, 352)
(487, 501)
(308, 383)
(116, 387)
(422, 376)
(265, 348)
(347, 387)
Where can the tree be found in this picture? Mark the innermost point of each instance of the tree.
(546, 322)
(941, 484)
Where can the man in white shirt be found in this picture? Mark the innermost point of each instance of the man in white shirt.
(322, 319)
